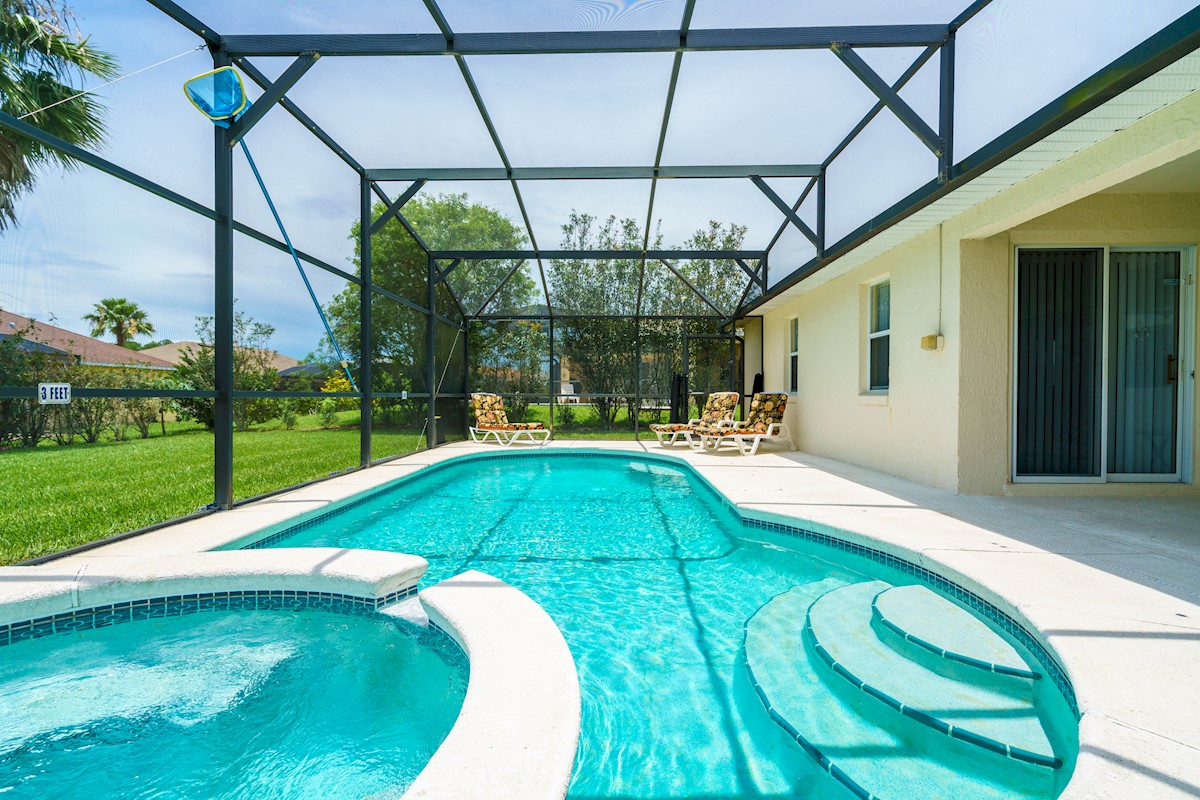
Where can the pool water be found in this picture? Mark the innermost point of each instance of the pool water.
(255, 704)
(650, 579)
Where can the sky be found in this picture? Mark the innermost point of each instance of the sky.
(83, 236)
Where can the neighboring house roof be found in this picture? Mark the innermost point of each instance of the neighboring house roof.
(304, 370)
(26, 346)
(88, 350)
(172, 353)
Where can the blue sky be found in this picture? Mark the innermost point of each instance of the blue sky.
(84, 236)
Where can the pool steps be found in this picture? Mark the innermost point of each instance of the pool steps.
(932, 623)
(850, 718)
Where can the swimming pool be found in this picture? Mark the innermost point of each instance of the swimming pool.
(281, 703)
(652, 579)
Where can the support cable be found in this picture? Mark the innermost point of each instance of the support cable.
(106, 84)
(295, 258)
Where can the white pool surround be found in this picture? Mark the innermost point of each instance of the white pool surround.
(1077, 573)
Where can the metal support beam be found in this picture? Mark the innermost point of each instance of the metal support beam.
(102, 164)
(821, 181)
(692, 286)
(595, 255)
(365, 346)
(596, 173)
(222, 312)
(431, 356)
(792, 216)
(911, 119)
(946, 110)
(446, 272)
(395, 207)
(449, 43)
(878, 108)
(255, 75)
(177, 13)
(271, 96)
(783, 226)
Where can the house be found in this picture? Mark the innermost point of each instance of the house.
(173, 354)
(62, 344)
(1032, 331)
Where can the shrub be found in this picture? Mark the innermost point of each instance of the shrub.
(327, 413)
(252, 371)
(339, 383)
(287, 414)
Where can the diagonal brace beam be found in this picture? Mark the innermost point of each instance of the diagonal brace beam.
(271, 96)
(890, 98)
(792, 216)
(446, 272)
(503, 283)
(394, 208)
(692, 286)
(755, 274)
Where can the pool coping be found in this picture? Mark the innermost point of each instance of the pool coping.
(1131, 742)
(517, 732)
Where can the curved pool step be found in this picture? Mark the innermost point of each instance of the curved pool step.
(929, 621)
(839, 624)
(839, 732)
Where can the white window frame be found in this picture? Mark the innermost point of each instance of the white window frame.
(873, 335)
(793, 364)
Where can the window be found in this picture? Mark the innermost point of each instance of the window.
(793, 355)
(879, 337)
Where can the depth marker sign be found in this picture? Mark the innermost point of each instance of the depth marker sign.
(54, 394)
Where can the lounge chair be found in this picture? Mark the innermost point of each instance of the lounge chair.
(765, 421)
(719, 408)
(491, 422)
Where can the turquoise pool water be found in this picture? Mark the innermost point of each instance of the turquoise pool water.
(651, 580)
(254, 704)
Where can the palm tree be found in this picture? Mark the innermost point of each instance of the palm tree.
(42, 59)
(125, 319)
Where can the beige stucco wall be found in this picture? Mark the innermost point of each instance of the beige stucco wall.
(912, 429)
(985, 426)
(946, 418)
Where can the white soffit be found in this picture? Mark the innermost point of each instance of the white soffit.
(1156, 92)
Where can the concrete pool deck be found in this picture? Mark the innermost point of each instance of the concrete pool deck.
(1111, 584)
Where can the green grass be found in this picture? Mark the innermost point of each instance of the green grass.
(586, 423)
(55, 497)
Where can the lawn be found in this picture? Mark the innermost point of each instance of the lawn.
(54, 497)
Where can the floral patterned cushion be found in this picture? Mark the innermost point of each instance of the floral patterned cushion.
(669, 427)
(489, 415)
(720, 406)
(765, 410)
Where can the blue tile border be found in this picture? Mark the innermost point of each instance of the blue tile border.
(200, 602)
(949, 588)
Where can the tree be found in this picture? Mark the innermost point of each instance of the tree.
(252, 372)
(42, 58)
(600, 351)
(121, 317)
(400, 266)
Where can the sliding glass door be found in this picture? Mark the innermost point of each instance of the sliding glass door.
(1097, 357)
(1143, 354)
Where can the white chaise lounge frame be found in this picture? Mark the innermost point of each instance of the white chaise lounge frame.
(538, 436)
